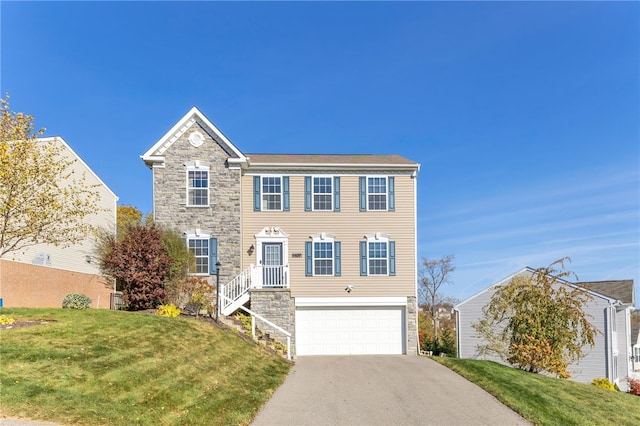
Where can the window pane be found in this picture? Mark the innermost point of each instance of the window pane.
(200, 250)
(198, 187)
(322, 193)
(377, 190)
(272, 193)
(323, 258)
(377, 258)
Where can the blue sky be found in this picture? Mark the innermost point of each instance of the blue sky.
(525, 117)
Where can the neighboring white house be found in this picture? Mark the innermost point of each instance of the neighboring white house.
(38, 275)
(610, 314)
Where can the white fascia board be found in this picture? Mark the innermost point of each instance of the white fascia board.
(502, 281)
(349, 301)
(335, 166)
(148, 155)
(67, 146)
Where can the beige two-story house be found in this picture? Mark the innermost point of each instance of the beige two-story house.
(321, 246)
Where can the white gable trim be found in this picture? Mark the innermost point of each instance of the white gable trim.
(531, 270)
(155, 154)
(59, 139)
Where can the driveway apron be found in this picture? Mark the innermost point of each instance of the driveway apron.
(380, 390)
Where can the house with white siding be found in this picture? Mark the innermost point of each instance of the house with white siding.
(319, 249)
(609, 310)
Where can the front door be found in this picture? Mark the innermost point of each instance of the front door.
(272, 265)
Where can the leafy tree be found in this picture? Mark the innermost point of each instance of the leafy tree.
(42, 199)
(140, 260)
(126, 217)
(432, 275)
(537, 321)
(182, 261)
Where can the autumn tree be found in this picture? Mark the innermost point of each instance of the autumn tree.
(140, 261)
(537, 322)
(432, 275)
(42, 198)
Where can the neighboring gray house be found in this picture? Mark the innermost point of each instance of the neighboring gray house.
(610, 311)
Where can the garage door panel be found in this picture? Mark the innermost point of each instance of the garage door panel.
(350, 330)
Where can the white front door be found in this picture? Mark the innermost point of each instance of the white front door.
(272, 271)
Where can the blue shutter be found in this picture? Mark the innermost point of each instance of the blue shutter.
(392, 193)
(307, 193)
(392, 258)
(256, 193)
(308, 258)
(363, 194)
(337, 265)
(213, 255)
(285, 193)
(363, 258)
(336, 194)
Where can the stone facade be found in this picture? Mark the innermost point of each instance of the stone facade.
(221, 219)
(277, 306)
(412, 326)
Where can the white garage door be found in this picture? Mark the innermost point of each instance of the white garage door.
(349, 330)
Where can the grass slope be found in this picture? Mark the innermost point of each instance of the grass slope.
(111, 367)
(546, 400)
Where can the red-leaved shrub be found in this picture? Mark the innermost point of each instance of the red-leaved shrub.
(634, 386)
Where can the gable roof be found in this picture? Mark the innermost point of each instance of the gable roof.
(529, 270)
(333, 161)
(621, 290)
(155, 154)
(58, 139)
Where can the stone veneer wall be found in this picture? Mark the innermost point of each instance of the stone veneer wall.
(412, 326)
(277, 306)
(222, 218)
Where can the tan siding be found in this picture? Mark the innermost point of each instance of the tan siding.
(349, 227)
(73, 258)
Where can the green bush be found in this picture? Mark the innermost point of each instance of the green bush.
(6, 320)
(168, 311)
(603, 383)
(76, 301)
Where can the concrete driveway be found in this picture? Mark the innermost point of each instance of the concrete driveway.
(380, 390)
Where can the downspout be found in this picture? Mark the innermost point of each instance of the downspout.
(458, 340)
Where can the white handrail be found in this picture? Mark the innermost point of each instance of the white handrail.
(236, 288)
(261, 318)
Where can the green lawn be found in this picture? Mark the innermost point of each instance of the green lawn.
(546, 400)
(120, 368)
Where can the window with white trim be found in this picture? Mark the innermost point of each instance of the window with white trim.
(205, 252)
(377, 193)
(271, 193)
(322, 193)
(377, 256)
(197, 185)
(322, 256)
(199, 246)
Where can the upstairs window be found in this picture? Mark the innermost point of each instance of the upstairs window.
(197, 185)
(271, 193)
(377, 256)
(322, 256)
(322, 193)
(377, 193)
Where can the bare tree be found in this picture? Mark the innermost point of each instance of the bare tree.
(432, 275)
